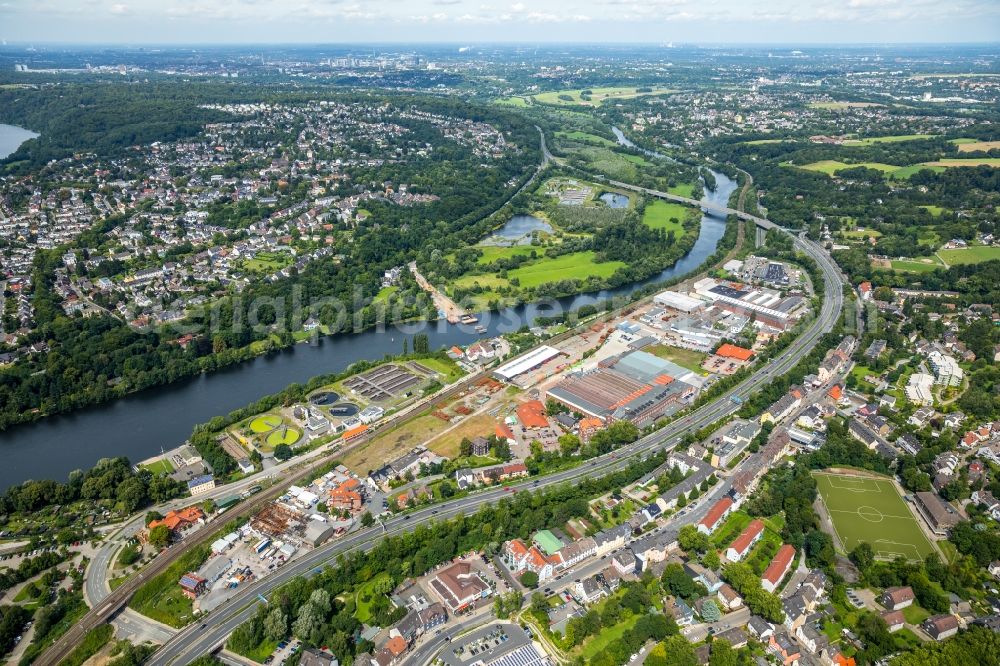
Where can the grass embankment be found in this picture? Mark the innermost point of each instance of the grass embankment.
(161, 599)
(95, 639)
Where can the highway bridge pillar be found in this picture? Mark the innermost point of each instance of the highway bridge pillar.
(761, 236)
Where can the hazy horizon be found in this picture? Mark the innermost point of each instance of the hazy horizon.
(750, 22)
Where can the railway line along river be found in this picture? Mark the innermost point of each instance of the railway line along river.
(142, 424)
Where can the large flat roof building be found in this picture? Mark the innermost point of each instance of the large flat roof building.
(636, 386)
(529, 361)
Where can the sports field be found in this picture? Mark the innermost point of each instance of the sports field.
(970, 255)
(870, 509)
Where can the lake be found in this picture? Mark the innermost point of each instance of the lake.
(11, 137)
(517, 231)
(140, 425)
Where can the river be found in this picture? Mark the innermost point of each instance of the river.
(11, 137)
(140, 425)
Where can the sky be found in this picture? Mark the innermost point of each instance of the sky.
(139, 22)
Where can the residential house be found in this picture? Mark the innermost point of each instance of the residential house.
(589, 590)
(192, 585)
(519, 558)
(735, 636)
(908, 443)
(178, 521)
(781, 408)
(784, 649)
(728, 597)
(897, 598)
(940, 627)
(796, 608)
(624, 562)
(313, 657)
(760, 628)
(740, 546)
(704, 575)
(986, 498)
(682, 613)
(894, 619)
(716, 515)
(811, 638)
(612, 538)
(653, 548)
(921, 417)
(200, 485)
(779, 566)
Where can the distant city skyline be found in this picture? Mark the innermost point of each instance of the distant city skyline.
(138, 22)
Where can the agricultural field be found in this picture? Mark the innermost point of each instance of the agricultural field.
(831, 167)
(512, 101)
(596, 96)
(973, 146)
(870, 509)
(658, 215)
(887, 139)
(965, 162)
(861, 233)
(970, 255)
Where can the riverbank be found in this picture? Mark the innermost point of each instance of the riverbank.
(11, 138)
(141, 424)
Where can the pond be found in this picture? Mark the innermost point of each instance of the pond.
(518, 231)
(614, 200)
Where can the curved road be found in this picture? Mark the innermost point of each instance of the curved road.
(211, 633)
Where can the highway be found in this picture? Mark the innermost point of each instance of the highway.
(213, 629)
